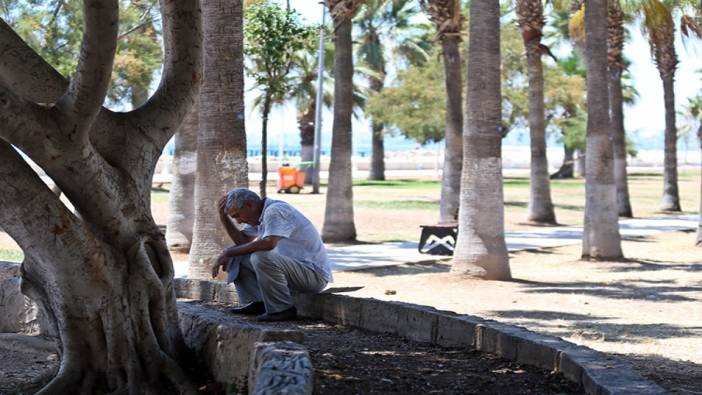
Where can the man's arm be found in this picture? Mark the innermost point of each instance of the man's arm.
(265, 244)
(237, 236)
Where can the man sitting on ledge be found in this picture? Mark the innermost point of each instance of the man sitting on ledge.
(277, 251)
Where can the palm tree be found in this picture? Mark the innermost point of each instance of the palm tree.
(338, 214)
(481, 249)
(658, 21)
(221, 143)
(448, 20)
(179, 230)
(601, 239)
(615, 42)
(382, 22)
(530, 16)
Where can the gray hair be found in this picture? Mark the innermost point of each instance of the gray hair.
(237, 197)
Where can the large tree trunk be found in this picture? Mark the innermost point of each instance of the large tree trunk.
(566, 169)
(221, 143)
(306, 124)
(619, 143)
(181, 203)
(481, 250)
(671, 197)
(104, 279)
(540, 204)
(453, 154)
(601, 239)
(338, 214)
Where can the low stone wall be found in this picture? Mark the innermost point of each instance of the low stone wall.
(226, 344)
(17, 313)
(597, 372)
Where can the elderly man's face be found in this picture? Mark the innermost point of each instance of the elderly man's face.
(246, 215)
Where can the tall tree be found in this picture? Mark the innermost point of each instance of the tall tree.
(481, 250)
(273, 37)
(601, 239)
(382, 22)
(181, 203)
(448, 20)
(221, 141)
(615, 43)
(338, 213)
(530, 17)
(658, 21)
(105, 278)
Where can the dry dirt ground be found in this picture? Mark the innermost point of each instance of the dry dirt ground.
(647, 309)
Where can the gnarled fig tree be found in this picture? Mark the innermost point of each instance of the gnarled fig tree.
(104, 278)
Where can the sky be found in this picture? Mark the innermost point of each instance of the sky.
(644, 121)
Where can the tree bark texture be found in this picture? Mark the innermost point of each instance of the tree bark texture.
(698, 241)
(671, 196)
(221, 143)
(601, 239)
(181, 202)
(453, 152)
(377, 167)
(481, 250)
(619, 144)
(338, 214)
(104, 278)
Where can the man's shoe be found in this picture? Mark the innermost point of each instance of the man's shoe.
(285, 315)
(253, 308)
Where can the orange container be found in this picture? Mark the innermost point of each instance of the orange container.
(290, 179)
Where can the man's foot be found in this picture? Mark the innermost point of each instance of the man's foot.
(253, 308)
(285, 315)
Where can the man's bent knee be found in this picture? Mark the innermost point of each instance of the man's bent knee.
(260, 258)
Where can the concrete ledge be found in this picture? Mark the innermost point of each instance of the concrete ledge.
(226, 344)
(597, 372)
(281, 368)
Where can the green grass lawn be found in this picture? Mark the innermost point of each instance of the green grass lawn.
(11, 255)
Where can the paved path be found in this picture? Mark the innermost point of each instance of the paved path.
(360, 256)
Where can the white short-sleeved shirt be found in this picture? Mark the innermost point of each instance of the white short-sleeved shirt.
(299, 238)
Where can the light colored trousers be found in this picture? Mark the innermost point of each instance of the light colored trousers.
(270, 277)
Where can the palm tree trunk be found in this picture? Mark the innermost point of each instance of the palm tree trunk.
(181, 205)
(671, 198)
(221, 144)
(481, 250)
(264, 145)
(619, 143)
(453, 154)
(601, 239)
(377, 168)
(540, 204)
(338, 214)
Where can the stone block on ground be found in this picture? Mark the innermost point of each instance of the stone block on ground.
(379, 316)
(418, 323)
(343, 310)
(9, 270)
(457, 331)
(225, 343)
(497, 338)
(195, 289)
(280, 368)
(541, 350)
(17, 312)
